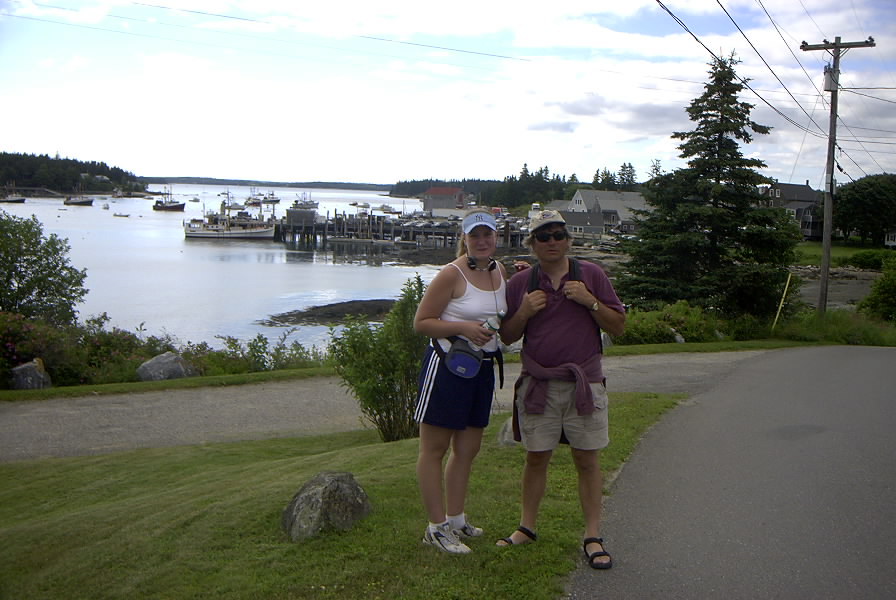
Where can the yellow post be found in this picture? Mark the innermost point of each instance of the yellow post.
(783, 297)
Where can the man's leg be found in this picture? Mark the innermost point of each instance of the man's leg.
(535, 476)
(590, 495)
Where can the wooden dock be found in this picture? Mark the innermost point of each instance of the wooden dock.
(305, 227)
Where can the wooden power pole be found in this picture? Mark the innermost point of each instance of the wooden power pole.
(831, 83)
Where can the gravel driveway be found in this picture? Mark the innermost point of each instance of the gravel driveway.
(104, 424)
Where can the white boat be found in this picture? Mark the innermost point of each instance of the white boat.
(223, 225)
(303, 201)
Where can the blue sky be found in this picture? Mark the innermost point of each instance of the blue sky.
(394, 90)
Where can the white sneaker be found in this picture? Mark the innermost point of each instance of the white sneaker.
(445, 540)
(468, 531)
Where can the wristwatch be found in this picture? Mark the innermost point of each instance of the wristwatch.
(595, 306)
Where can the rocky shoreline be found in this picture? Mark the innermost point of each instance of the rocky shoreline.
(846, 286)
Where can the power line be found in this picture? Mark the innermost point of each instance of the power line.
(744, 82)
(762, 58)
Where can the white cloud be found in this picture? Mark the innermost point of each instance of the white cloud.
(400, 90)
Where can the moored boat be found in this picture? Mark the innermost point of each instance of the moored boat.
(225, 226)
(169, 203)
(78, 201)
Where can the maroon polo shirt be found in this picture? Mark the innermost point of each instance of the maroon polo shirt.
(564, 330)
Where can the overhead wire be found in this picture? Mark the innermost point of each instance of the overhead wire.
(765, 62)
(743, 81)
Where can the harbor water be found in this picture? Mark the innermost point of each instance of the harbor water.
(147, 277)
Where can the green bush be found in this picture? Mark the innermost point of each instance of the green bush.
(870, 259)
(645, 327)
(22, 340)
(660, 326)
(746, 327)
(880, 302)
(837, 327)
(380, 364)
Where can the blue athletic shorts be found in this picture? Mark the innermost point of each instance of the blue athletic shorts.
(446, 400)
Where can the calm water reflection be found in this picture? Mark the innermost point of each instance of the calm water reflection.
(143, 273)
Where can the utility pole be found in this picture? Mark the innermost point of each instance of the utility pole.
(831, 83)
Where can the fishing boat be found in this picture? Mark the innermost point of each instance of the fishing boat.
(14, 200)
(169, 203)
(223, 225)
(78, 201)
(303, 201)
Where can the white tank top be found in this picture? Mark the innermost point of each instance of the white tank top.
(477, 305)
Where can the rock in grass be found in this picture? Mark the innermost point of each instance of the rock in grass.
(328, 501)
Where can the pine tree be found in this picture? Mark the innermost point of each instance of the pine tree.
(707, 240)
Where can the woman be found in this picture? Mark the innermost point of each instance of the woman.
(453, 410)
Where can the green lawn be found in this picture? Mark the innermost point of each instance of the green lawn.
(809, 253)
(204, 521)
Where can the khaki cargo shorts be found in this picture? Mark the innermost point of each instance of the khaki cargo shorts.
(541, 433)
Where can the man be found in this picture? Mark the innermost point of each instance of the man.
(560, 391)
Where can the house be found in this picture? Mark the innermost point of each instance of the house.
(780, 194)
(802, 202)
(890, 239)
(443, 197)
(614, 210)
(808, 215)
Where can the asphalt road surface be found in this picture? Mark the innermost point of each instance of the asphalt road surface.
(778, 481)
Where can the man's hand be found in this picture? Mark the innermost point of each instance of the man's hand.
(577, 292)
(532, 303)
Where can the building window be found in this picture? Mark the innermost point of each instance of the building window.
(777, 193)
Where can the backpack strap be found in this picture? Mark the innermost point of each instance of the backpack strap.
(574, 274)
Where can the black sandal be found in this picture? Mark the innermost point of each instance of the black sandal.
(598, 554)
(508, 541)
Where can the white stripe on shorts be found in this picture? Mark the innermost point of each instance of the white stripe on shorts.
(426, 389)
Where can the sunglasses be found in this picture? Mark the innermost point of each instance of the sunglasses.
(545, 236)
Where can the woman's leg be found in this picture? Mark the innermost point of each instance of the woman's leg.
(434, 443)
(464, 448)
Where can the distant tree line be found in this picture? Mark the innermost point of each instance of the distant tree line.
(336, 185)
(64, 175)
(531, 187)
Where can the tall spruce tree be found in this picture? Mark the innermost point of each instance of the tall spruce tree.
(707, 239)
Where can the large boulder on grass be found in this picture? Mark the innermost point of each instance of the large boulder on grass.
(165, 366)
(327, 501)
(30, 376)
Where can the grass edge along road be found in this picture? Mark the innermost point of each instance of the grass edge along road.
(204, 520)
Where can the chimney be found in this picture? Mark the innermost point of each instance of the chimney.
(807, 183)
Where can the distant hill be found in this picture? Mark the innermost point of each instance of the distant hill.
(379, 187)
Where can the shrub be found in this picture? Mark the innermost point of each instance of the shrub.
(380, 364)
(838, 327)
(22, 340)
(645, 327)
(692, 322)
(659, 326)
(880, 303)
(746, 327)
(870, 259)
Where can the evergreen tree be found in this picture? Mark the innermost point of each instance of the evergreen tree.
(626, 179)
(707, 240)
(607, 180)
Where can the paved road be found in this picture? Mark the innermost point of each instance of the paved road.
(778, 481)
(103, 424)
